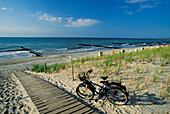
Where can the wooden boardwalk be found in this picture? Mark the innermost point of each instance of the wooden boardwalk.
(50, 99)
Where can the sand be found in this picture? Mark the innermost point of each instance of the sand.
(146, 100)
(14, 98)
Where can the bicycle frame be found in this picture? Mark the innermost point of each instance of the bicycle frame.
(91, 86)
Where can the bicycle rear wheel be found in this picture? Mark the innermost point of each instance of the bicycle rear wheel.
(117, 96)
(84, 92)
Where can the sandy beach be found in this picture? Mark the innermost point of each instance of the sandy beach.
(145, 99)
(14, 98)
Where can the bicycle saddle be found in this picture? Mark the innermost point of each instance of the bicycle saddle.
(104, 77)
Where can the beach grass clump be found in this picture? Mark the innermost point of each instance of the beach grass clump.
(168, 60)
(155, 77)
(153, 61)
(137, 70)
(62, 66)
(97, 58)
(77, 65)
(108, 62)
(121, 77)
(92, 58)
(54, 66)
(162, 63)
(41, 68)
(77, 60)
(82, 60)
(87, 58)
(142, 56)
(129, 59)
(116, 63)
(138, 84)
(157, 72)
(34, 68)
(117, 71)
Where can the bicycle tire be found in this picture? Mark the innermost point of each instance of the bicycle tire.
(117, 96)
(84, 92)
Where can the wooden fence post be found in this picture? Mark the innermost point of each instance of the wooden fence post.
(72, 68)
(45, 67)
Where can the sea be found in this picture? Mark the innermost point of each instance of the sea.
(53, 46)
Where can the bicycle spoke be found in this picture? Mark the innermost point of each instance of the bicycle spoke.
(116, 96)
(84, 92)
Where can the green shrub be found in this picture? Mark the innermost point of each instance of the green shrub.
(82, 60)
(92, 58)
(87, 58)
(54, 66)
(41, 68)
(34, 68)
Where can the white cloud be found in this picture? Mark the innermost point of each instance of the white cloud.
(147, 6)
(69, 19)
(135, 1)
(151, 4)
(68, 22)
(6, 9)
(134, 6)
(47, 17)
(3, 8)
(82, 22)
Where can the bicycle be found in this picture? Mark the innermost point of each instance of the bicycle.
(115, 92)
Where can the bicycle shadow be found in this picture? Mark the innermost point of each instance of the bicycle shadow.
(145, 99)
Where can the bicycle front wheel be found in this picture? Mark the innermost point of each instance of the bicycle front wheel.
(84, 92)
(117, 96)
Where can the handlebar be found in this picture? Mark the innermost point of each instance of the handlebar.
(89, 71)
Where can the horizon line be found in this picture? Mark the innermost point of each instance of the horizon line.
(81, 37)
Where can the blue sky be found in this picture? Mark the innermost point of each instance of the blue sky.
(85, 18)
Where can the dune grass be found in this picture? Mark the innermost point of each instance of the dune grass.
(113, 60)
